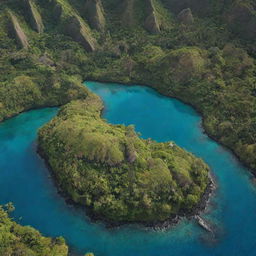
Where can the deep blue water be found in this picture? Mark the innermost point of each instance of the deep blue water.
(25, 181)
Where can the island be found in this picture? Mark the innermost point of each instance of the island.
(118, 176)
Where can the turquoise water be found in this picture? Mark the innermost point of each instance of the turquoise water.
(25, 181)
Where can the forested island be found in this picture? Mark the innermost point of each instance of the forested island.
(202, 52)
(120, 177)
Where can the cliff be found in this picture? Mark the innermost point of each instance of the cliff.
(151, 22)
(34, 16)
(17, 32)
(94, 12)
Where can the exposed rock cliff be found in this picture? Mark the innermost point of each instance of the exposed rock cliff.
(128, 12)
(57, 11)
(151, 22)
(17, 32)
(73, 25)
(76, 28)
(95, 14)
(242, 20)
(186, 16)
(34, 16)
(200, 7)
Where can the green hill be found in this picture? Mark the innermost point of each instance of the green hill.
(117, 175)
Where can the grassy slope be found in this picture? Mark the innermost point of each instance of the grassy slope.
(119, 176)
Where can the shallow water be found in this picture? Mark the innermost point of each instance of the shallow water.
(25, 181)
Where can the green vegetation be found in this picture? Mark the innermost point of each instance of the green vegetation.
(24, 240)
(202, 52)
(116, 174)
(204, 55)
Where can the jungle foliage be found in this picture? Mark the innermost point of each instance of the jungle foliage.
(24, 240)
(115, 173)
(207, 59)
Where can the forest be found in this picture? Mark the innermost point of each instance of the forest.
(24, 240)
(117, 175)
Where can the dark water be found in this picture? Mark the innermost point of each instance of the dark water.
(25, 181)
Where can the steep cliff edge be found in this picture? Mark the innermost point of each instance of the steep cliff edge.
(17, 31)
(205, 57)
(35, 18)
(241, 18)
(152, 21)
(73, 25)
(76, 28)
(95, 14)
(127, 12)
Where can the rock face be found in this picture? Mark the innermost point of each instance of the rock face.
(128, 13)
(17, 31)
(95, 14)
(151, 22)
(199, 7)
(35, 18)
(73, 25)
(242, 20)
(57, 11)
(186, 17)
(76, 28)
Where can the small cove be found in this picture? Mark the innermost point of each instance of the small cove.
(26, 182)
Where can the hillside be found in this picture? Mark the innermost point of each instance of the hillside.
(199, 51)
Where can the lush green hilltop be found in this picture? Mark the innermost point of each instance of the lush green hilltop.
(202, 52)
(24, 240)
(116, 174)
